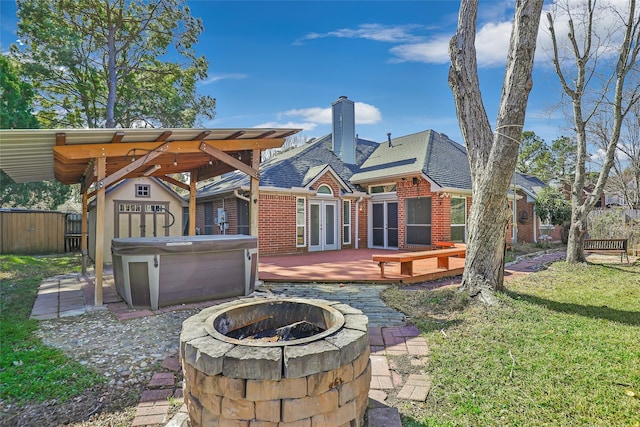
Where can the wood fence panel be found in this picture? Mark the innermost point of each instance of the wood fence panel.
(32, 233)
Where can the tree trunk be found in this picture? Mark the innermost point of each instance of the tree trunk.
(492, 155)
(112, 73)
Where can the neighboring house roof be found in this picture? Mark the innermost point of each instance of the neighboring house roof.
(529, 183)
(298, 167)
(426, 153)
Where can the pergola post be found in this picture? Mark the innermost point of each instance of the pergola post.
(84, 227)
(193, 180)
(253, 194)
(101, 167)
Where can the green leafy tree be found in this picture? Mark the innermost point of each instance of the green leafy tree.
(553, 207)
(15, 98)
(112, 63)
(534, 157)
(15, 113)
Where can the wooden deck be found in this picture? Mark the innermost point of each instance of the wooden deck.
(349, 266)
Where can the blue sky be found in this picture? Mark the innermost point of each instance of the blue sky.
(282, 64)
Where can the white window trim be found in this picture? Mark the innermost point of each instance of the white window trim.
(464, 224)
(346, 225)
(304, 222)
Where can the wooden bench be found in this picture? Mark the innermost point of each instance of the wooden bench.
(607, 246)
(406, 258)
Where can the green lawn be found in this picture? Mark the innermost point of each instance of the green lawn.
(30, 371)
(562, 349)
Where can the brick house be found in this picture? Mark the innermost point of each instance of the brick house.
(340, 191)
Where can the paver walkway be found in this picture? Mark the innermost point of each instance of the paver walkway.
(390, 337)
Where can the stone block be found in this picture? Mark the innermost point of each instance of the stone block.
(253, 363)
(299, 423)
(206, 354)
(360, 363)
(359, 322)
(346, 309)
(351, 344)
(268, 410)
(194, 407)
(260, 423)
(220, 385)
(298, 409)
(212, 403)
(357, 387)
(238, 409)
(307, 359)
(342, 416)
(325, 381)
(286, 388)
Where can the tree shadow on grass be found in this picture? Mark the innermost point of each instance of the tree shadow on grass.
(631, 318)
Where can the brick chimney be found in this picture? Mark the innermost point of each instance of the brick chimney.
(344, 129)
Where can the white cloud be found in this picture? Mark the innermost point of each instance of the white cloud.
(218, 77)
(365, 114)
(435, 51)
(305, 126)
(314, 114)
(376, 32)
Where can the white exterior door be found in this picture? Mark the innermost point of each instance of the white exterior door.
(323, 225)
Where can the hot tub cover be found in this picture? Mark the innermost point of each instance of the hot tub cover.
(181, 244)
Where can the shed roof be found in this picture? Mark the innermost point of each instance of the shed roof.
(67, 154)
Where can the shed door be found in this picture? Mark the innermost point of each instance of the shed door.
(142, 219)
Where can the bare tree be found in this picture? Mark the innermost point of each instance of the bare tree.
(594, 67)
(624, 179)
(492, 154)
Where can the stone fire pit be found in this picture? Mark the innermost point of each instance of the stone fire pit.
(276, 362)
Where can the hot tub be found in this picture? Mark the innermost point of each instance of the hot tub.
(154, 272)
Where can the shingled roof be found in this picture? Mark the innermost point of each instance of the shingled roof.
(428, 153)
(295, 167)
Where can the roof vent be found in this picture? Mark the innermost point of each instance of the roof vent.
(389, 138)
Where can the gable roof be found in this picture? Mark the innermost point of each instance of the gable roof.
(161, 184)
(296, 168)
(529, 183)
(427, 153)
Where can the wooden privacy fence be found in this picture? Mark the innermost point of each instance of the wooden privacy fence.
(38, 232)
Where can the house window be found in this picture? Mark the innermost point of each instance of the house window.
(243, 217)
(418, 221)
(143, 190)
(325, 189)
(301, 216)
(346, 222)
(385, 188)
(458, 219)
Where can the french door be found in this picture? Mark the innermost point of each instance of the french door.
(384, 232)
(323, 225)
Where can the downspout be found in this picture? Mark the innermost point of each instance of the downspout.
(535, 225)
(240, 196)
(357, 221)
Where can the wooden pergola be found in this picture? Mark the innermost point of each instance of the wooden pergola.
(99, 158)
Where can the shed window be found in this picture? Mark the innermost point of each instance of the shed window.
(143, 190)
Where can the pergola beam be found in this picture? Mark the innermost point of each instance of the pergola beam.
(230, 160)
(124, 149)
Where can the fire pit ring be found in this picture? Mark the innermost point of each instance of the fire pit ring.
(319, 375)
(239, 324)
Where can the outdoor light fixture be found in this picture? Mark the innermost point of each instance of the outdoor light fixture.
(415, 181)
(210, 162)
(175, 160)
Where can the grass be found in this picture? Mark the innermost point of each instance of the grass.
(31, 372)
(562, 349)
